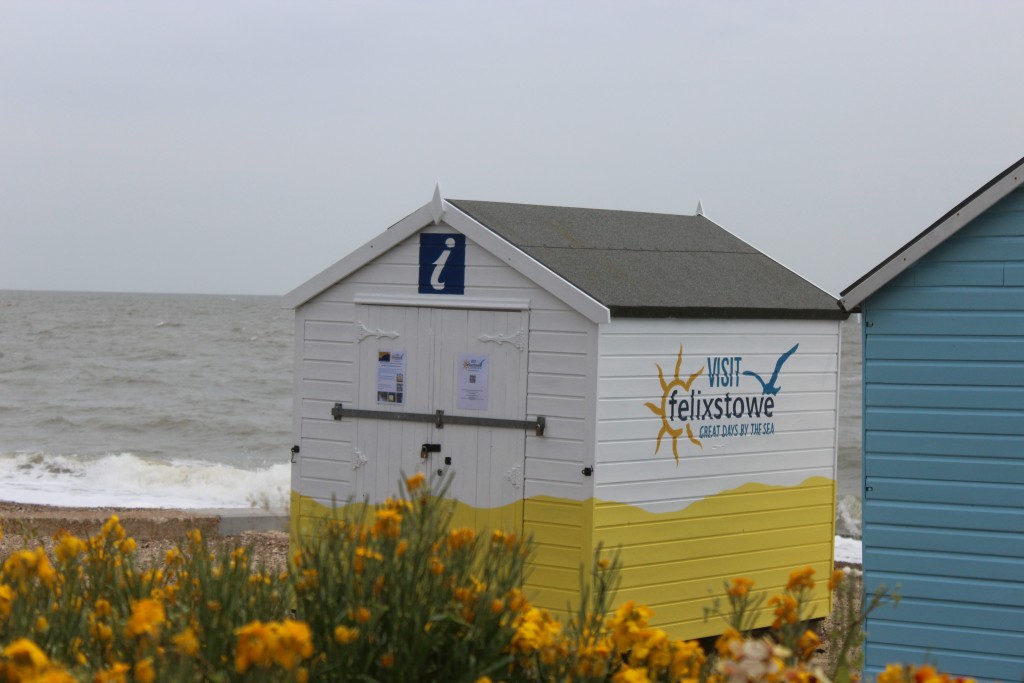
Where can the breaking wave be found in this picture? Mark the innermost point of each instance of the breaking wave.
(126, 480)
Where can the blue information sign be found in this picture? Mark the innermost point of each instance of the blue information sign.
(442, 263)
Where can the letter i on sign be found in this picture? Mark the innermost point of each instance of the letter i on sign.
(435, 278)
(442, 263)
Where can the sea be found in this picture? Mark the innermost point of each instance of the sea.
(145, 400)
(185, 401)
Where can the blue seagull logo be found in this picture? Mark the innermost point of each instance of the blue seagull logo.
(770, 387)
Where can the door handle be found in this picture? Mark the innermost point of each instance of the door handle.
(429, 448)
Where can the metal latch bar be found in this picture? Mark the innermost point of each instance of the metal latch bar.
(439, 419)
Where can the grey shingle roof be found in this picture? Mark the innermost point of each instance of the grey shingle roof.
(655, 265)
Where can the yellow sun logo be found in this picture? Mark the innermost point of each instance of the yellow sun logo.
(666, 388)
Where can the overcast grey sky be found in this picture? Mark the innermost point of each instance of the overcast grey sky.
(243, 146)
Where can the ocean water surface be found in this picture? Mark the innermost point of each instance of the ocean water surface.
(144, 400)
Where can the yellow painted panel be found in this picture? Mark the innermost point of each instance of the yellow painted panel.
(725, 567)
(721, 545)
(555, 534)
(706, 589)
(559, 556)
(506, 518)
(746, 498)
(658, 530)
(678, 562)
(554, 577)
(566, 512)
(557, 601)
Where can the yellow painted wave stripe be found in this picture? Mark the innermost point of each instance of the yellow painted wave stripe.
(675, 562)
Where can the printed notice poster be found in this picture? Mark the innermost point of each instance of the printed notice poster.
(472, 381)
(391, 377)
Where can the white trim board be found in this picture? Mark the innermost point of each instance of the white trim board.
(939, 232)
(443, 301)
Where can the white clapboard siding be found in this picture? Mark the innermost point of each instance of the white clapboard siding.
(803, 418)
(623, 451)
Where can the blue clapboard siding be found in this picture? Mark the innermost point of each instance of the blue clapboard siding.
(944, 453)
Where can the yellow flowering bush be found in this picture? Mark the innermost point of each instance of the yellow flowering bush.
(396, 593)
(388, 594)
(89, 613)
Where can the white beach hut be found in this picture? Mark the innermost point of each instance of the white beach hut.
(643, 381)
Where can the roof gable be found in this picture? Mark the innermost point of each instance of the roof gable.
(607, 264)
(937, 233)
(433, 213)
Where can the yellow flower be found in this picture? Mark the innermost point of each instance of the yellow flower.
(460, 538)
(238, 555)
(630, 675)
(26, 656)
(785, 610)
(628, 623)
(725, 643)
(146, 619)
(497, 606)
(688, 659)
(740, 587)
(344, 635)
(387, 660)
(252, 646)
(401, 549)
(894, 673)
(144, 670)
(29, 663)
(836, 579)
(807, 644)
(69, 547)
(186, 642)
(414, 482)
(363, 553)
(801, 578)
(41, 624)
(6, 598)
(173, 557)
(308, 581)
(112, 527)
(387, 523)
(436, 566)
(102, 608)
(127, 547)
(294, 642)
(362, 615)
(284, 643)
(115, 674)
(25, 565)
(517, 602)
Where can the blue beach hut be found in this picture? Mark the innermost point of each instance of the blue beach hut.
(943, 322)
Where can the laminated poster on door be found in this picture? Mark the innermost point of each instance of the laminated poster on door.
(472, 369)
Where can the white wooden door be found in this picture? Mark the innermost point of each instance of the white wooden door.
(446, 352)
